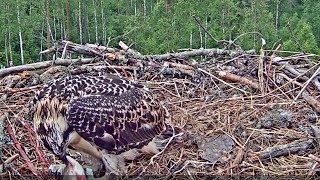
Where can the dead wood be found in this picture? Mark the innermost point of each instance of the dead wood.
(300, 145)
(312, 101)
(241, 80)
(89, 50)
(196, 52)
(15, 90)
(133, 53)
(26, 67)
(44, 64)
(30, 165)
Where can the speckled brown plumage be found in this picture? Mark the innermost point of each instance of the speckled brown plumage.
(110, 112)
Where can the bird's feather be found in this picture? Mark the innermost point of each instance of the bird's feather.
(117, 123)
(111, 112)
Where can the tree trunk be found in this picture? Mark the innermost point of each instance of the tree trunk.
(104, 36)
(253, 6)
(223, 22)
(168, 6)
(10, 49)
(62, 31)
(41, 39)
(48, 26)
(144, 8)
(8, 21)
(190, 40)
(84, 24)
(68, 20)
(20, 33)
(135, 8)
(95, 19)
(201, 40)
(277, 14)
(87, 19)
(205, 34)
(80, 23)
(6, 47)
(54, 26)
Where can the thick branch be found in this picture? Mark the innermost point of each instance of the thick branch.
(285, 149)
(235, 78)
(44, 64)
(197, 52)
(88, 49)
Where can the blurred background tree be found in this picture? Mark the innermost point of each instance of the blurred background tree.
(154, 26)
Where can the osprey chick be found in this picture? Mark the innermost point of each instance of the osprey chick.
(100, 116)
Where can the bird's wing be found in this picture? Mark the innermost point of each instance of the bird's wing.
(63, 90)
(117, 123)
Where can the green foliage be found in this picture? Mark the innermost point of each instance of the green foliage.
(298, 32)
(151, 29)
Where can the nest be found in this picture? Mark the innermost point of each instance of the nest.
(241, 113)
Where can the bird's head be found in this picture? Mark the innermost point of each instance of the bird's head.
(73, 169)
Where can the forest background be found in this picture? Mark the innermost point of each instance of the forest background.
(155, 26)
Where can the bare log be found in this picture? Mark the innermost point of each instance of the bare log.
(235, 78)
(127, 50)
(94, 69)
(25, 67)
(294, 73)
(179, 66)
(44, 64)
(89, 49)
(197, 52)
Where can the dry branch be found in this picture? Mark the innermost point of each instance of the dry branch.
(197, 52)
(300, 145)
(26, 67)
(15, 90)
(78, 48)
(235, 78)
(44, 64)
(313, 102)
(21, 151)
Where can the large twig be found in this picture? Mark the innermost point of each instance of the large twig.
(221, 80)
(17, 144)
(205, 30)
(285, 149)
(307, 83)
(312, 101)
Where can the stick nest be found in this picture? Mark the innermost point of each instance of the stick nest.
(266, 104)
